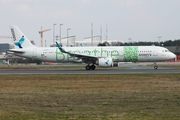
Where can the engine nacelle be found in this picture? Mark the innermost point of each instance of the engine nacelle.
(105, 62)
(76, 59)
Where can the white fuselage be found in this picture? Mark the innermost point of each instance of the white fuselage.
(118, 54)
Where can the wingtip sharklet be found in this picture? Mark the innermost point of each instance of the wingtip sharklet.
(58, 45)
(60, 48)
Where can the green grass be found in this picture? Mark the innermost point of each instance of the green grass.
(53, 97)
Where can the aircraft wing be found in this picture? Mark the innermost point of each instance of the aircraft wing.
(87, 57)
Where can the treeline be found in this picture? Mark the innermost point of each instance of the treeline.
(165, 43)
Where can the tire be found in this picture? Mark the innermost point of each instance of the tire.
(87, 67)
(93, 67)
(155, 67)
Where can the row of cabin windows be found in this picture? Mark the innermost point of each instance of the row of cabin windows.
(110, 51)
(103, 51)
(49, 52)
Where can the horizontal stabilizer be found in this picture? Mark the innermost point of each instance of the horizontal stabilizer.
(19, 51)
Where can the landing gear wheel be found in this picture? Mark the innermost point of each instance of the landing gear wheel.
(93, 67)
(155, 67)
(87, 67)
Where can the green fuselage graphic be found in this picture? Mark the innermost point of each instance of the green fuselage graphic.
(97, 52)
(130, 53)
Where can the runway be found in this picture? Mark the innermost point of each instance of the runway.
(124, 69)
(103, 71)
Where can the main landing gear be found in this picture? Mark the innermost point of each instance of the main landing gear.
(90, 67)
(155, 66)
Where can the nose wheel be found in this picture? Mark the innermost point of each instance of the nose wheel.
(155, 66)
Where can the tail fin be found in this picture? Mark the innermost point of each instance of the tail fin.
(20, 40)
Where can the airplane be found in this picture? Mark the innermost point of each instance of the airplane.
(104, 56)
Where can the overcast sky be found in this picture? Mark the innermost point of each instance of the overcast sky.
(140, 20)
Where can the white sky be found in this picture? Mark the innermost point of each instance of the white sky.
(140, 20)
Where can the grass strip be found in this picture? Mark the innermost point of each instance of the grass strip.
(128, 96)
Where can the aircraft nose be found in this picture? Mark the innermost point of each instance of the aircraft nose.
(173, 55)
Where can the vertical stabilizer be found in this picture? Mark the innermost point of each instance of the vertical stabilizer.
(20, 40)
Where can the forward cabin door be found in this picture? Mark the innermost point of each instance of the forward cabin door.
(155, 51)
(121, 54)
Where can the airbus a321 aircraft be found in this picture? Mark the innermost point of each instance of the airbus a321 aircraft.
(100, 56)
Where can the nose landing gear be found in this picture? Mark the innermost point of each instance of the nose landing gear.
(155, 66)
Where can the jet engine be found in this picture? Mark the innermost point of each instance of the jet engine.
(76, 59)
(105, 62)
